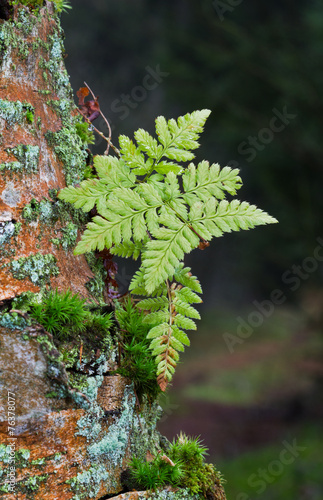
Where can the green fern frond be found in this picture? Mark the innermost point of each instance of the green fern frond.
(129, 249)
(205, 180)
(168, 315)
(150, 204)
(184, 276)
(87, 195)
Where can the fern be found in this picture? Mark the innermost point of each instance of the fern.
(152, 205)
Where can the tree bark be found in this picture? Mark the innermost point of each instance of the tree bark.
(40, 153)
(58, 441)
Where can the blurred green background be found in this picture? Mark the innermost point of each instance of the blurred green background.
(252, 379)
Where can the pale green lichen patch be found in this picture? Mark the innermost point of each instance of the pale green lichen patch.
(54, 64)
(11, 111)
(69, 235)
(21, 456)
(7, 230)
(114, 444)
(181, 494)
(63, 108)
(12, 166)
(87, 484)
(144, 434)
(15, 111)
(69, 149)
(37, 267)
(13, 321)
(108, 452)
(27, 156)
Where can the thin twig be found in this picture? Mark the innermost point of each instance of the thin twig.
(117, 152)
(106, 152)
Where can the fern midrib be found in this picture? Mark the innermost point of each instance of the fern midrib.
(186, 222)
(171, 320)
(205, 185)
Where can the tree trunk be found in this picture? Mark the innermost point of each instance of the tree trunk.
(66, 444)
(63, 434)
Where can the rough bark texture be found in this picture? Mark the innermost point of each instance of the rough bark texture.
(40, 152)
(66, 443)
(66, 433)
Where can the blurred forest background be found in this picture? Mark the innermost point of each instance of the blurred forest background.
(251, 383)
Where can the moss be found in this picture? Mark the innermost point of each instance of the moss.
(38, 461)
(37, 267)
(30, 211)
(30, 117)
(33, 482)
(27, 156)
(83, 130)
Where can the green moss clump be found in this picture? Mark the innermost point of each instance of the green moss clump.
(65, 316)
(33, 482)
(84, 132)
(183, 466)
(137, 362)
(37, 267)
